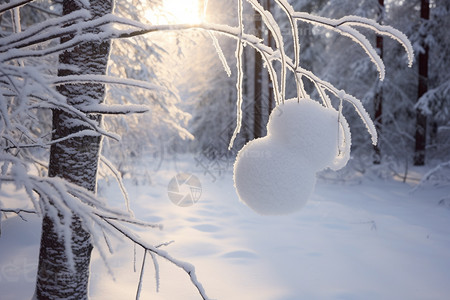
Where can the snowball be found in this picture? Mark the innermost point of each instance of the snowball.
(275, 174)
(270, 180)
(308, 128)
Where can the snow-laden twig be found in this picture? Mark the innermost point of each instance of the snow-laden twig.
(240, 75)
(104, 79)
(344, 27)
(156, 267)
(272, 25)
(254, 42)
(49, 99)
(141, 276)
(289, 11)
(323, 86)
(60, 198)
(118, 178)
(188, 268)
(270, 55)
(220, 53)
(46, 31)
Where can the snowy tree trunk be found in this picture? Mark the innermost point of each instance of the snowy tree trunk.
(378, 101)
(421, 119)
(76, 161)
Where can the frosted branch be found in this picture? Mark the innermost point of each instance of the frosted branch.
(344, 27)
(47, 30)
(188, 268)
(220, 53)
(118, 178)
(240, 75)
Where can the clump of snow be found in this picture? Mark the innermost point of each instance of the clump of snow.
(275, 174)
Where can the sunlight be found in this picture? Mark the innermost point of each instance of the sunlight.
(176, 11)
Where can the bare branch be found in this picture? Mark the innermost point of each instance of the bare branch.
(13, 4)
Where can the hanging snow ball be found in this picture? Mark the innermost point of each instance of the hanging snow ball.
(276, 174)
(270, 179)
(308, 128)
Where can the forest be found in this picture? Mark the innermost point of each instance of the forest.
(241, 149)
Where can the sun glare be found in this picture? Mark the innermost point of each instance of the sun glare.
(176, 11)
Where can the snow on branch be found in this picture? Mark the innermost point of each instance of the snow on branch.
(188, 268)
(220, 53)
(61, 198)
(58, 197)
(269, 55)
(289, 11)
(322, 86)
(344, 27)
(240, 75)
(73, 79)
(47, 30)
(81, 133)
(118, 178)
(272, 25)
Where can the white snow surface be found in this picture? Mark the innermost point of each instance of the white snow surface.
(368, 240)
(275, 174)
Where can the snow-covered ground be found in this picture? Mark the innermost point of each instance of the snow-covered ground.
(372, 240)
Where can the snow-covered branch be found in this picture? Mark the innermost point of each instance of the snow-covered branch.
(188, 268)
(47, 30)
(344, 26)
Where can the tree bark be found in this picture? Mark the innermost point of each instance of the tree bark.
(421, 119)
(75, 160)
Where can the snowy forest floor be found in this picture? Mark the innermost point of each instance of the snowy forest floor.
(371, 240)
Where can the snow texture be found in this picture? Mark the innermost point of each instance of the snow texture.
(275, 175)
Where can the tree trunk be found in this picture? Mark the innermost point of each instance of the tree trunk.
(75, 160)
(378, 101)
(259, 108)
(421, 119)
(246, 130)
(270, 99)
(257, 87)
